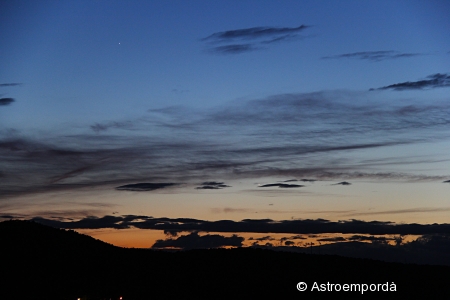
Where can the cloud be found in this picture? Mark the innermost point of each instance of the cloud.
(254, 38)
(69, 214)
(428, 249)
(369, 238)
(234, 49)
(308, 180)
(195, 241)
(87, 223)
(6, 101)
(11, 216)
(433, 241)
(141, 187)
(373, 55)
(302, 226)
(343, 183)
(432, 81)
(9, 84)
(294, 237)
(98, 127)
(332, 239)
(212, 185)
(208, 187)
(215, 183)
(69, 174)
(264, 238)
(254, 33)
(282, 185)
(230, 210)
(282, 38)
(286, 135)
(172, 233)
(302, 180)
(72, 210)
(401, 211)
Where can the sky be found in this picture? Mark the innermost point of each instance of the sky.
(138, 120)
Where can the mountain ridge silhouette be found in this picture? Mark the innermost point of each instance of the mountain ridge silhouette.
(51, 263)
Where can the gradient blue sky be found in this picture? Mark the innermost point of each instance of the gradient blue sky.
(101, 94)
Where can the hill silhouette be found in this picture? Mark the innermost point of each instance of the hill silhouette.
(42, 262)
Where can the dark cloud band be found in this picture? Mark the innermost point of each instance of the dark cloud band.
(248, 225)
(6, 101)
(281, 185)
(212, 185)
(195, 241)
(142, 187)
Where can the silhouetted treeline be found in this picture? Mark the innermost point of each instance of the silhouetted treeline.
(41, 262)
(431, 249)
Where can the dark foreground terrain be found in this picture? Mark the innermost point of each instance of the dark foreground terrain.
(41, 262)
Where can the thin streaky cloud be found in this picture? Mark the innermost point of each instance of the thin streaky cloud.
(274, 211)
(302, 180)
(230, 210)
(98, 127)
(401, 211)
(286, 135)
(70, 174)
(254, 33)
(9, 84)
(281, 185)
(369, 238)
(212, 185)
(143, 187)
(373, 55)
(234, 49)
(264, 238)
(332, 239)
(208, 187)
(282, 38)
(12, 216)
(69, 214)
(437, 80)
(250, 39)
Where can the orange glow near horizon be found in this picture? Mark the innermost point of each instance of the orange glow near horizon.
(142, 238)
(128, 238)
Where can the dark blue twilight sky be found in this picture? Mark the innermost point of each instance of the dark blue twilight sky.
(213, 103)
